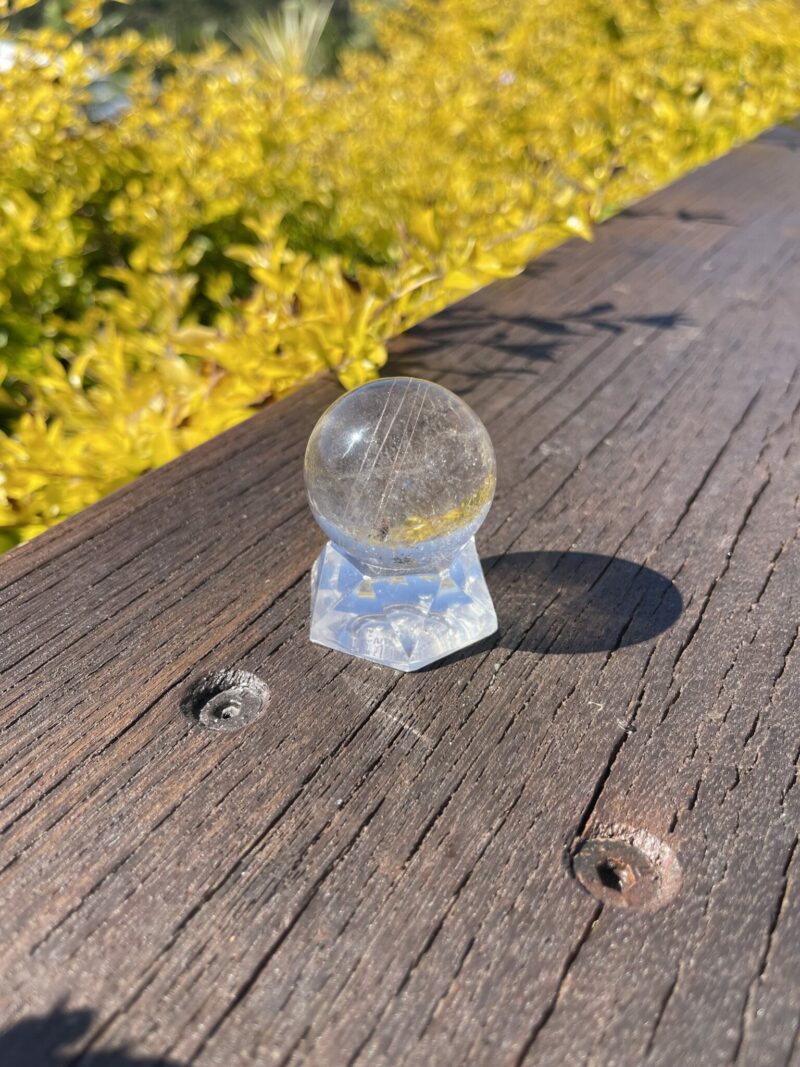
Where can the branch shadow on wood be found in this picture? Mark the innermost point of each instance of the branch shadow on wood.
(49, 1040)
(502, 349)
(682, 215)
(561, 603)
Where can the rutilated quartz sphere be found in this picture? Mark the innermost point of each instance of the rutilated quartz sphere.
(400, 473)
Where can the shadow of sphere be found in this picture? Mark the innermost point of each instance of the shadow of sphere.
(578, 601)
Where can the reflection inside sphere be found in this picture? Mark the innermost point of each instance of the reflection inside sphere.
(400, 472)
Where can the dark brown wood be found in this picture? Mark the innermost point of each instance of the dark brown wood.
(388, 869)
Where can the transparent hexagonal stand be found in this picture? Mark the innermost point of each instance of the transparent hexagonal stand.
(405, 621)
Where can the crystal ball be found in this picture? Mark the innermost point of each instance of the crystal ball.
(400, 473)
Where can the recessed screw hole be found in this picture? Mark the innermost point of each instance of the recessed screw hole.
(226, 700)
(626, 867)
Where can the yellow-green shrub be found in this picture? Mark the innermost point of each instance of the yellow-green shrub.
(235, 232)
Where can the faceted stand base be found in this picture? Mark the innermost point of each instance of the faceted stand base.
(405, 621)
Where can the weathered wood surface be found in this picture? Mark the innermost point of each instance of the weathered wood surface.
(377, 870)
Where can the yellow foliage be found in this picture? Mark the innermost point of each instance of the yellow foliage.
(233, 231)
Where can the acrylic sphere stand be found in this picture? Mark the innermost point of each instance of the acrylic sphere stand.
(400, 474)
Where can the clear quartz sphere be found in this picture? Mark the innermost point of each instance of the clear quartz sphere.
(400, 473)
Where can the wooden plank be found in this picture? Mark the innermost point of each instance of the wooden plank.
(379, 870)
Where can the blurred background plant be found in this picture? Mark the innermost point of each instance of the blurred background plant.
(288, 41)
(188, 233)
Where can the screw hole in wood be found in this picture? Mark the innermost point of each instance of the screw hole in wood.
(627, 868)
(226, 700)
(613, 876)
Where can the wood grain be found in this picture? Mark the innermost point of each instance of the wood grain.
(379, 869)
